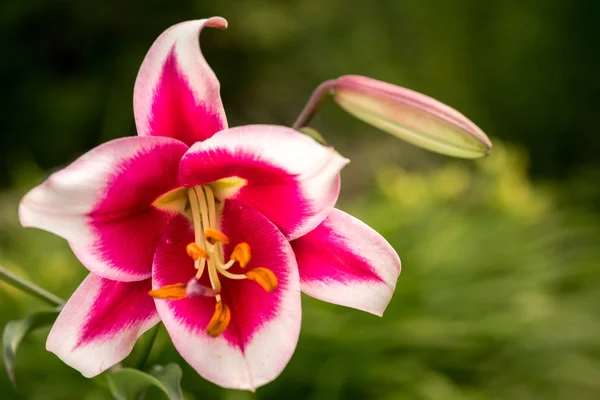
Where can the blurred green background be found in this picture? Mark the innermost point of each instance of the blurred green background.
(499, 296)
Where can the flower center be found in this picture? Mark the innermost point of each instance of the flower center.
(207, 252)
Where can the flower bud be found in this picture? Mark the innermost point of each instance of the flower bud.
(411, 116)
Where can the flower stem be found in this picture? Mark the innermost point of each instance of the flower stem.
(31, 288)
(313, 104)
(147, 348)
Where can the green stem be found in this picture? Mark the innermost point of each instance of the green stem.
(316, 99)
(31, 288)
(147, 348)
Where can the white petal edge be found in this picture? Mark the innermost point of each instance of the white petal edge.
(263, 359)
(366, 243)
(91, 359)
(61, 203)
(315, 167)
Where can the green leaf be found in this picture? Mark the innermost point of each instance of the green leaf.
(15, 332)
(313, 133)
(127, 383)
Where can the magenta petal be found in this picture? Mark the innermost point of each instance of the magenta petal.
(289, 178)
(176, 92)
(264, 327)
(344, 261)
(102, 204)
(101, 322)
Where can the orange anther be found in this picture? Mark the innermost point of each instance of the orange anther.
(219, 321)
(264, 277)
(215, 236)
(169, 292)
(195, 251)
(241, 253)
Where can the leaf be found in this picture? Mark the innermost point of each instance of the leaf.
(127, 383)
(313, 133)
(15, 332)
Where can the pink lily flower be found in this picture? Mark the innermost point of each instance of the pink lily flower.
(213, 231)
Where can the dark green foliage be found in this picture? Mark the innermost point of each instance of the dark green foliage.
(128, 383)
(16, 331)
(498, 298)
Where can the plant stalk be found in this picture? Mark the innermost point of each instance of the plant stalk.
(31, 288)
(313, 104)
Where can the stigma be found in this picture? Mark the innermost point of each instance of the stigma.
(207, 252)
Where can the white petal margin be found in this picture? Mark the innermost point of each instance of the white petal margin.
(71, 202)
(183, 40)
(123, 312)
(312, 167)
(346, 262)
(224, 360)
(218, 361)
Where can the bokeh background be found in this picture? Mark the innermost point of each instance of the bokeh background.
(499, 297)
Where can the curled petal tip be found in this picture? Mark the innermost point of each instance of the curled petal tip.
(176, 92)
(411, 116)
(217, 22)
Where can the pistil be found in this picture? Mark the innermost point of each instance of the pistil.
(198, 237)
(207, 252)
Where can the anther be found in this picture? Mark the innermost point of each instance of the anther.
(195, 251)
(264, 277)
(242, 254)
(170, 292)
(215, 236)
(219, 321)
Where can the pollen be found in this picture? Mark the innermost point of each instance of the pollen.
(195, 251)
(219, 321)
(208, 252)
(264, 277)
(215, 236)
(169, 292)
(242, 254)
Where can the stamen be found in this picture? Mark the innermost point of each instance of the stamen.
(212, 211)
(207, 251)
(242, 254)
(226, 266)
(219, 321)
(215, 236)
(229, 275)
(170, 292)
(264, 277)
(214, 276)
(198, 237)
(196, 251)
(212, 216)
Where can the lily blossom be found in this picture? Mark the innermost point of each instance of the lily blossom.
(212, 230)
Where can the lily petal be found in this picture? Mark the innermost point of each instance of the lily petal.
(101, 322)
(102, 204)
(288, 177)
(176, 92)
(344, 261)
(264, 327)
